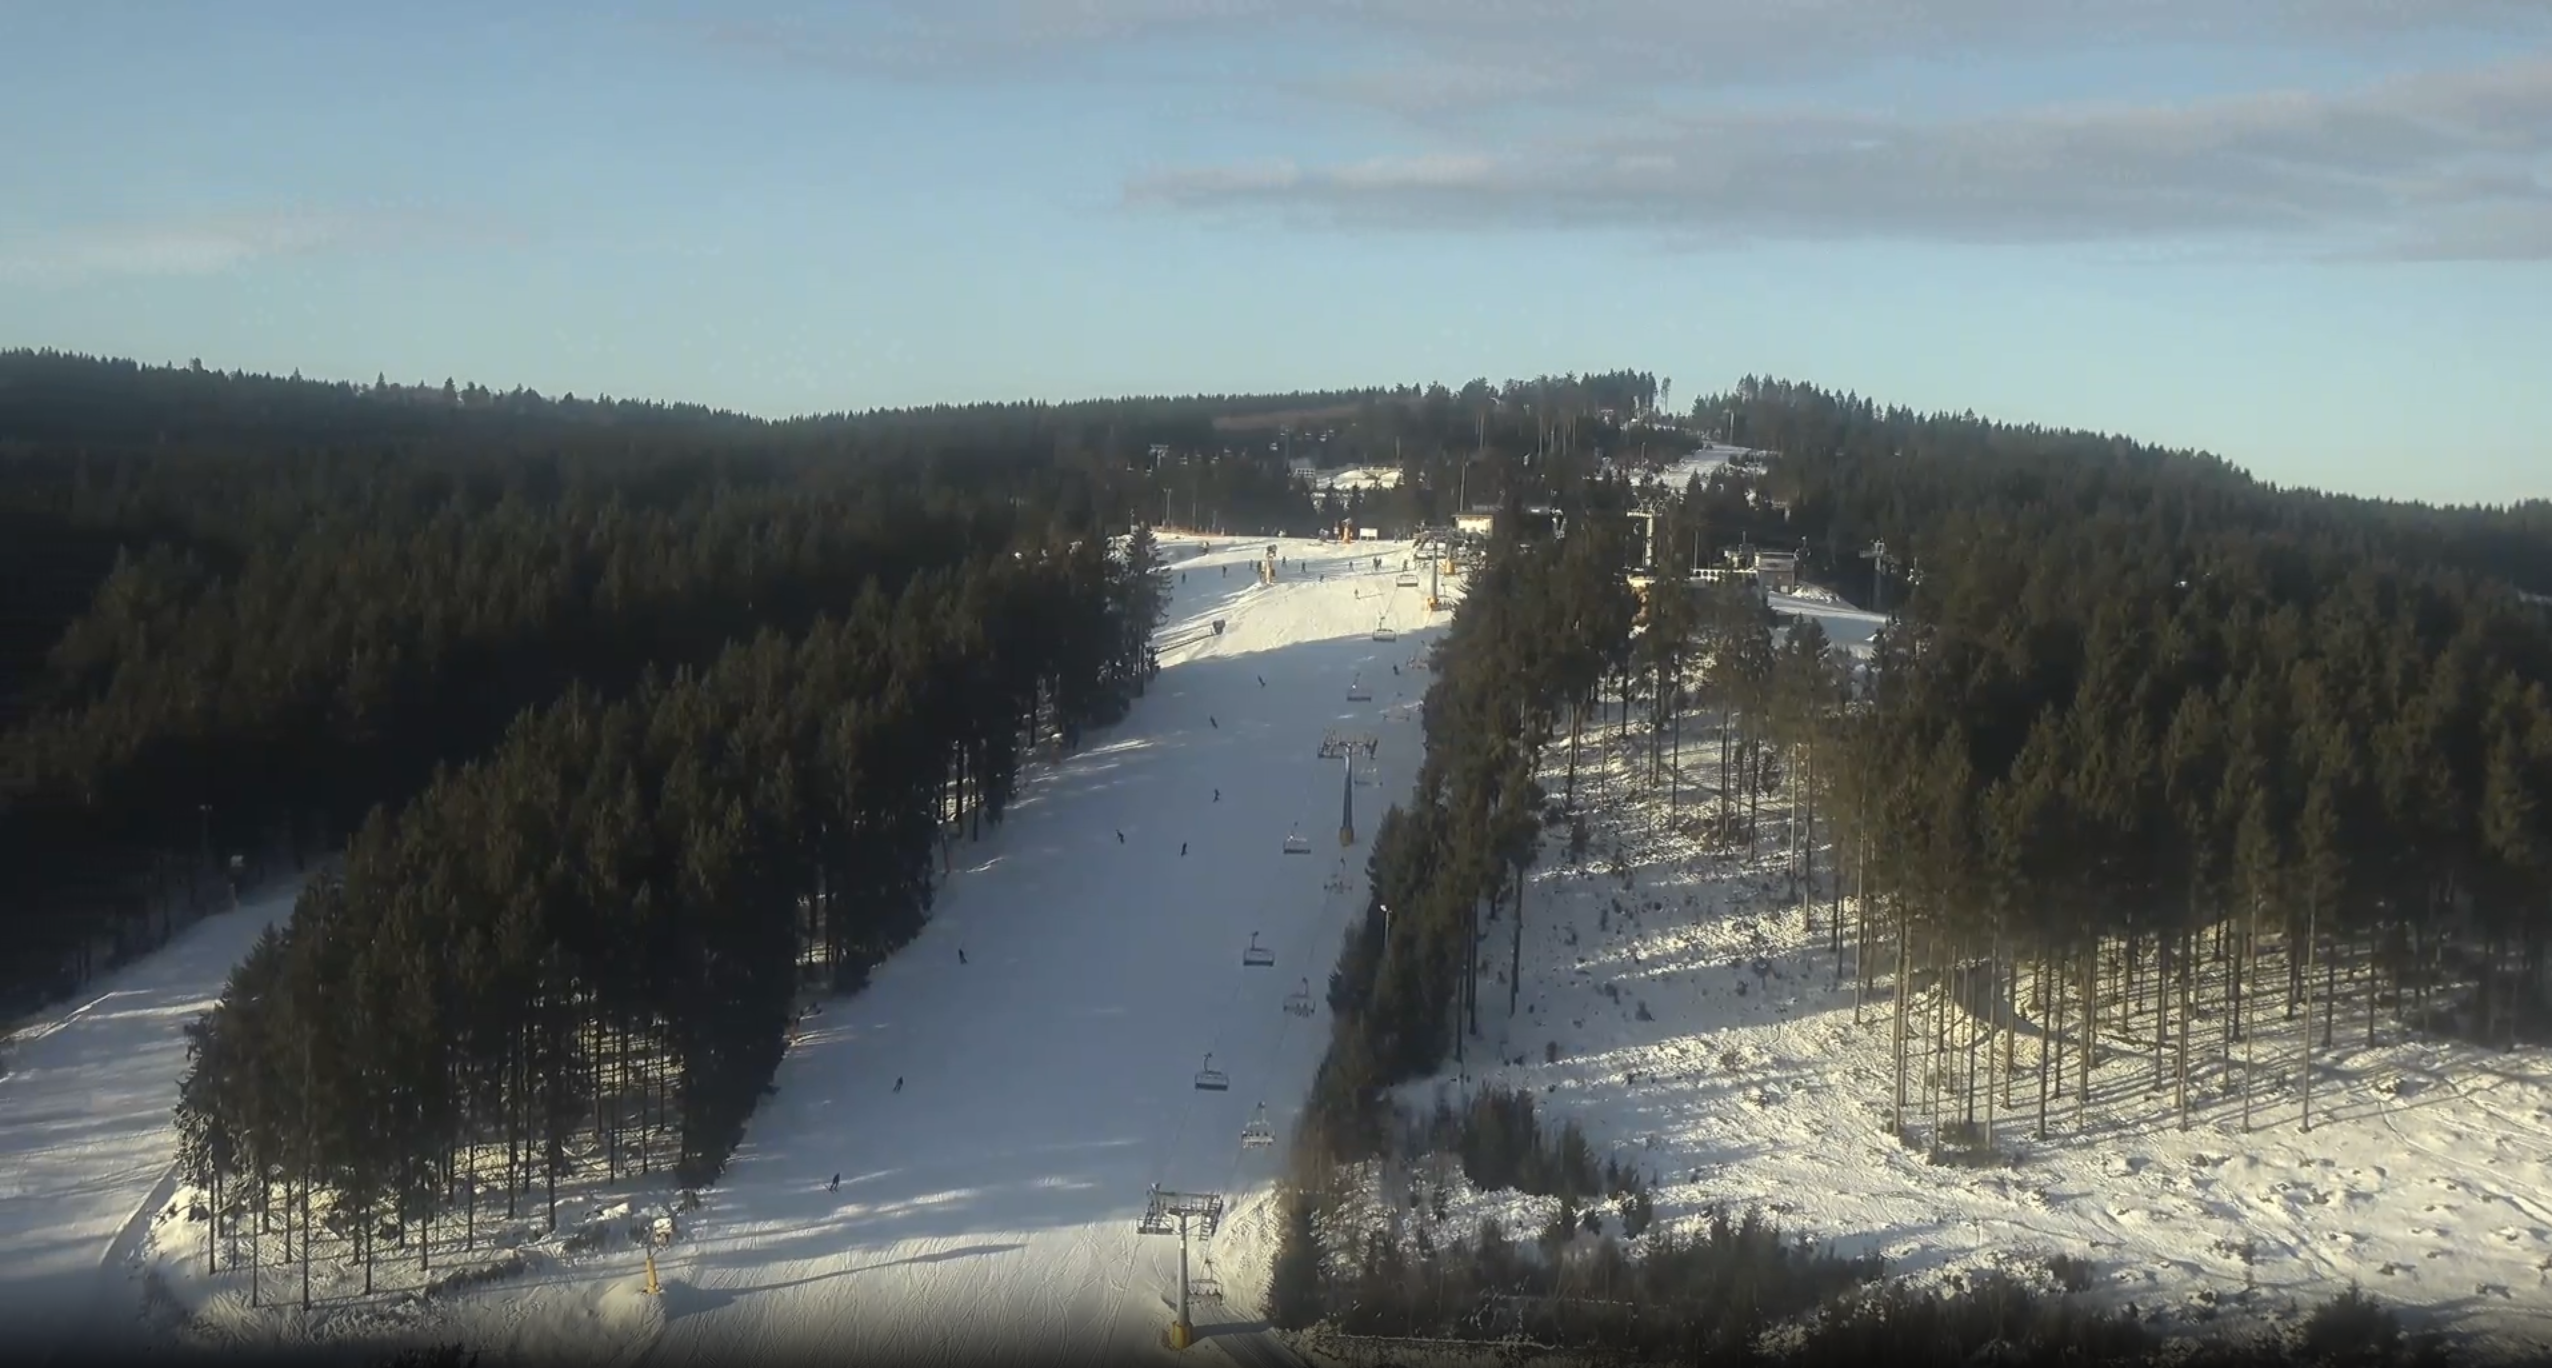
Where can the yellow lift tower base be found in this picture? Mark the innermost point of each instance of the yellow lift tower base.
(1180, 1335)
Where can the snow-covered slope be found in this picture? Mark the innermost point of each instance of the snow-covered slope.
(986, 1210)
(86, 1137)
(1847, 629)
(987, 1205)
(1701, 1031)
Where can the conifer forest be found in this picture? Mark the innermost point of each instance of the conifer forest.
(602, 733)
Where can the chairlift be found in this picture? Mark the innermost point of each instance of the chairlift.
(1408, 579)
(1357, 692)
(1258, 956)
(1296, 843)
(1257, 1134)
(1211, 1079)
(1298, 1002)
(1382, 632)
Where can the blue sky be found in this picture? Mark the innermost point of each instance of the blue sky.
(2312, 235)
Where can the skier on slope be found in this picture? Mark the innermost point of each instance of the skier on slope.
(961, 954)
(1209, 721)
(835, 1185)
(1120, 838)
(1182, 850)
(899, 1082)
(1218, 795)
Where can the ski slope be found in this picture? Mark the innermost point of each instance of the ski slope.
(987, 1206)
(87, 1143)
(987, 1209)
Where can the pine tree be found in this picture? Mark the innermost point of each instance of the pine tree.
(1296, 1287)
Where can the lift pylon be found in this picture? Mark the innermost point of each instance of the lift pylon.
(1187, 1215)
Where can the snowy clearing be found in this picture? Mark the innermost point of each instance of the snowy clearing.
(1704, 1032)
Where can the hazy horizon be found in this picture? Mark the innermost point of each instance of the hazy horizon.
(2313, 237)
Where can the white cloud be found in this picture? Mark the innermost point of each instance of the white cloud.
(2441, 163)
(211, 244)
(1628, 114)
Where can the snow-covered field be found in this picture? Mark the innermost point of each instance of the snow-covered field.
(987, 1206)
(986, 1209)
(1705, 461)
(86, 1144)
(1847, 629)
(1358, 477)
(2427, 1175)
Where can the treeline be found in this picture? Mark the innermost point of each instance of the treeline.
(2148, 746)
(584, 952)
(1856, 471)
(1407, 979)
(2151, 746)
(1541, 650)
(242, 611)
(239, 611)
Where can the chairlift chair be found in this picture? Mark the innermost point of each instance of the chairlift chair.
(1296, 843)
(1298, 1002)
(1257, 956)
(1382, 632)
(1257, 1133)
(1407, 580)
(1211, 1079)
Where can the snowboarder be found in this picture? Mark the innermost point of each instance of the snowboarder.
(1182, 850)
(899, 1082)
(1262, 681)
(1218, 795)
(1120, 838)
(835, 1185)
(1395, 669)
(961, 954)
(1209, 721)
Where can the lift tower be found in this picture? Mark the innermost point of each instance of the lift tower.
(1170, 1213)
